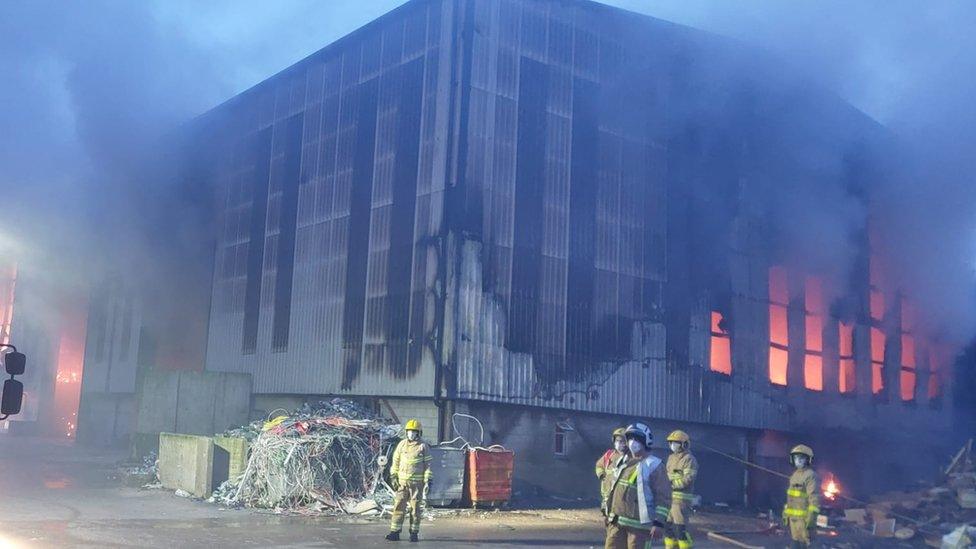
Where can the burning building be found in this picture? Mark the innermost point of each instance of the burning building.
(559, 216)
(49, 327)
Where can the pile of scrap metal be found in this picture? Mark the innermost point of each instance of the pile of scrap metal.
(318, 459)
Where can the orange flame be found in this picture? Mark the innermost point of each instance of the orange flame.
(831, 489)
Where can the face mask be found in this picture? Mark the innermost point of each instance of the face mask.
(800, 462)
(635, 446)
(412, 435)
(620, 446)
(675, 446)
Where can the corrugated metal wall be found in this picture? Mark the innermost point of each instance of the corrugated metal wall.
(561, 294)
(539, 137)
(331, 191)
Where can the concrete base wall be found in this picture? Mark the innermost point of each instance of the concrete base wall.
(186, 463)
(414, 408)
(531, 433)
(106, 419)
(199, 403)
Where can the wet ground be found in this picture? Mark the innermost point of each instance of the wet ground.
(53, 494)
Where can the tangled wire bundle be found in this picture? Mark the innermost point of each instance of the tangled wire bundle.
(319, 457)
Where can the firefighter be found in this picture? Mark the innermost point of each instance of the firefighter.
(682, 469)
(605, 463)
(637, 504)
(410, 476)
(802, 498)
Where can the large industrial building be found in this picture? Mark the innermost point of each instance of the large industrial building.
(545, 214)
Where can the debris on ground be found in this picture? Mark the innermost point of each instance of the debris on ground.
(142, 473)
(319, 459)
(934, 516)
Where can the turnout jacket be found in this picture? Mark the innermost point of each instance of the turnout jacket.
(640, 495)
(411, 461)
(682, 469)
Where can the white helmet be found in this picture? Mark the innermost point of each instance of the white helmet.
(640, 432)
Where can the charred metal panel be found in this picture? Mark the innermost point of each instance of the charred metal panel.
(341, 298)
(403, 219)
(357, 249)
(260, 155)
(287, 220)
(528, 201)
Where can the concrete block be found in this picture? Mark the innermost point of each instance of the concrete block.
(157, 402)
(196, 402)
(186, 463)
(230, 458)
(232, 401)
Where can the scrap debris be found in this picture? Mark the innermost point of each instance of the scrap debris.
(319, 459)
(938, 516)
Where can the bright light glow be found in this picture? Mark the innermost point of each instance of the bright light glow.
(779, 336)
(831, 489)
(721, 351)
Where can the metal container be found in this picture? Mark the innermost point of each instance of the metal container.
(447, 484)
(490, 477)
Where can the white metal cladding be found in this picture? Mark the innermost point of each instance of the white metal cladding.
(406, 50)
(112, 339)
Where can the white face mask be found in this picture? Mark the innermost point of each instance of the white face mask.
(620, 446)
(412, 435)
(635, 446)
(799, 461)
(675, 446)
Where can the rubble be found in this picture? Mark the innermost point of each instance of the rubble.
(144, 473)
(318, 459)
(939, 516)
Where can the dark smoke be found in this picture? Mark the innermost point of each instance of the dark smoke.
(94, 93)
(909, 66)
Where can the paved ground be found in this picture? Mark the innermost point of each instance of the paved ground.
(56, 495)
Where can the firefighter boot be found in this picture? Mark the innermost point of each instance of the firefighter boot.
(393, 536)
(414, 537)
(670, 543)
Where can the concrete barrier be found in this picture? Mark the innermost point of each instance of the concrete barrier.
(186, 463)
(230, 458)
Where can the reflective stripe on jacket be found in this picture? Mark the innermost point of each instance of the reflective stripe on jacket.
(682, 470)
(641, 492)
(411, 461)
(803, 494)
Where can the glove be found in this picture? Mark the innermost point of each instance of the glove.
(786, 521)
(394, 482)
(812, 521)
(426, 489)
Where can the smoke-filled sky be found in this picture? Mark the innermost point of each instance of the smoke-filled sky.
(89, 87)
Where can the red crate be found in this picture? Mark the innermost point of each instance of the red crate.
(490, 476)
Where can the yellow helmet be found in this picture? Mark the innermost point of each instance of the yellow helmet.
(619, 432)
(802, 449)
(679, 436)
(413, 425)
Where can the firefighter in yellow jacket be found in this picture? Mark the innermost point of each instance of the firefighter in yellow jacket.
(640, 494)
(802, 498)
(410, 476)
(604, 465)
(682, 469)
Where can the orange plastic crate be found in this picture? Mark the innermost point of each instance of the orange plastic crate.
(490, 476)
